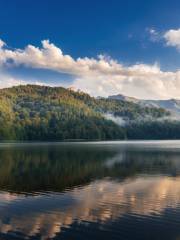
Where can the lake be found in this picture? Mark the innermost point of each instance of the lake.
(85, 191)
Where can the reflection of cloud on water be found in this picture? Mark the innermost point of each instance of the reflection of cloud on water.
(118, 158)
(100, 201)
(6, 197)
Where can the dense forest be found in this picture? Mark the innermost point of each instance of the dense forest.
(34, 112)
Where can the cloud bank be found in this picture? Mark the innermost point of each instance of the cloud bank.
(98, 76)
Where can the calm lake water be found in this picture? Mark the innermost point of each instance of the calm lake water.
(85, 191)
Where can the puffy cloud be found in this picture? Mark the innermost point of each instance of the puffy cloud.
(172, 38)
(97, 76)
(139, 81)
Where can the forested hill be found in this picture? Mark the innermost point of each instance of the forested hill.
(34, 112)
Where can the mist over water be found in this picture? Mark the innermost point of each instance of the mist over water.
(98, 190)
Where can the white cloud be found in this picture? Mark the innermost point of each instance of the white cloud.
(172, 38)
(2, 43)
(98, 76)
(9, 81)
(155, 36)
(6, 80)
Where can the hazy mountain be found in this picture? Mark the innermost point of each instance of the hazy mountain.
(172, 105)
(123, 98)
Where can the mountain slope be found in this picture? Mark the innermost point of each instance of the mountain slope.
(34, 112)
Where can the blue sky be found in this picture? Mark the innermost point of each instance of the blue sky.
(88, 28)
(129, 32)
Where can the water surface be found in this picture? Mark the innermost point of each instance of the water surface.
(98, 190)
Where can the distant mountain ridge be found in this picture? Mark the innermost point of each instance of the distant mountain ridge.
(172, 105)
(122, 97)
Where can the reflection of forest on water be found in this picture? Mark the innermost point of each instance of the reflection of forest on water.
(57, 167)
(89, 191)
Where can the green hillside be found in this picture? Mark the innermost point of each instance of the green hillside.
(34, 112)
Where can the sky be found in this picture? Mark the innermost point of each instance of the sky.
(104, 47)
